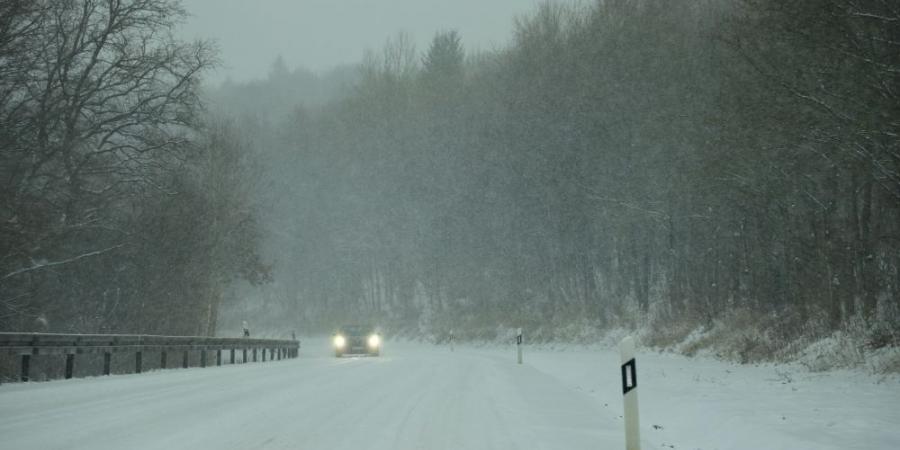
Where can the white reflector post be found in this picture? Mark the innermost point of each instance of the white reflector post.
(451, 340)
(629, 390)
(519, 344)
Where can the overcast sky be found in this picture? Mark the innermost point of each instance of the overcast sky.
(319, 34)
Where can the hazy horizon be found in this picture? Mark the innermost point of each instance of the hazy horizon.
(251, 36)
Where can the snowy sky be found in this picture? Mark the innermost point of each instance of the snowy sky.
(319, 34)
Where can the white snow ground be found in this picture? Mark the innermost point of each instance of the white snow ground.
(424, 397)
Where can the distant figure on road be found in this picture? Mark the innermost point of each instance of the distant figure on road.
(41, 324)
(246, 329)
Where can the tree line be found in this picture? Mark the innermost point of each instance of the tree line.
(621, 163)
(124, 206)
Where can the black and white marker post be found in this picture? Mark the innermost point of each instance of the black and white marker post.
(519, 344)
(629, 391)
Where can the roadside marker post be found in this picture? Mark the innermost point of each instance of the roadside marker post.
(629, 393)
(519, 344)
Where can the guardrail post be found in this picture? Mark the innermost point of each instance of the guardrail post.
(263, 354)
(219, 357)
(70, 365)
(244, 360)
(138, 361)
(203, 358)
(232, 356)
(26, 366)
(184, 360)
(107, 359)
(254, 355)
(163, 356)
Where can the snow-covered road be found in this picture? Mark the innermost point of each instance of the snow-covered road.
(413, 397)
(425, 397)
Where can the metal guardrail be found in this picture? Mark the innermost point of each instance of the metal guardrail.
(27, 345)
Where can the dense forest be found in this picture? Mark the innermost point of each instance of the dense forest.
(729, 168)
(124, 206)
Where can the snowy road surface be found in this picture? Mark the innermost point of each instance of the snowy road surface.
(425, 397)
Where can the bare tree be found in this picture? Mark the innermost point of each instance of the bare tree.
(101, 107)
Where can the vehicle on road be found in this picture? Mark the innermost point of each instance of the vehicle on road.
(357, 340)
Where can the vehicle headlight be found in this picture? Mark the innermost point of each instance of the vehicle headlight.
(374, 340)
(339, 341)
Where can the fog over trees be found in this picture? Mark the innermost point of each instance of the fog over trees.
(730, 166)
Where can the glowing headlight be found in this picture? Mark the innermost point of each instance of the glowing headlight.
(374, 340)
(339, 341)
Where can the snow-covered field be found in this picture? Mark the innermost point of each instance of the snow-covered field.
(419, 396)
